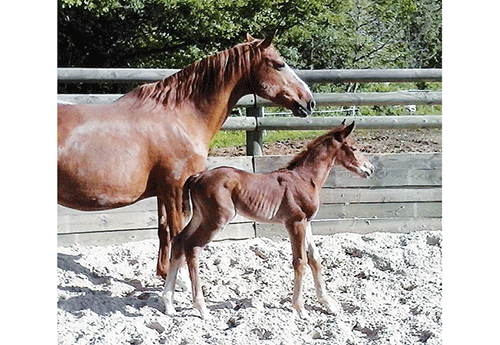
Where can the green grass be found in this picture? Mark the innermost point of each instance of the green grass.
(272, 136)
(228, 139)
(237, 138)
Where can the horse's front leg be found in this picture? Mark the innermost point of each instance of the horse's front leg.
(314, 262)
(297, 232)
(176, 220)
(171, 220)
(165, 239)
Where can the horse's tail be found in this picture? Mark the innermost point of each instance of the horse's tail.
(186, 195)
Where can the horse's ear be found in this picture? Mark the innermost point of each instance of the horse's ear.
(343, 123)
(267, 42)
(250, 38)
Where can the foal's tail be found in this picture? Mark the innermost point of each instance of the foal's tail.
(186, 195)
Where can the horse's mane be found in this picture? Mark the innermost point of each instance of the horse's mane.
(312, 148)
(201, 77)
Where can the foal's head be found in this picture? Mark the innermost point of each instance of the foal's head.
(276, 81)
(347, 154)
(334, 147)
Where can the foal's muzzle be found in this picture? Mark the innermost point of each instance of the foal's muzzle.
(366, 170)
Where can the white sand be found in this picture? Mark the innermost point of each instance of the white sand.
(388, 286)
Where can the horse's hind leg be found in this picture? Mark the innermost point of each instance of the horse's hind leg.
(314, 262)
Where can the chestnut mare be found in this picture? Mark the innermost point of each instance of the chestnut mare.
(289, 196)
(150, 140)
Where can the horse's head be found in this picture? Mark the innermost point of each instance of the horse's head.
(348, 154)
(273, 79)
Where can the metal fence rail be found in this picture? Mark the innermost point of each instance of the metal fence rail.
(322, 99)
(255, 122)
(144, 75)
(405, 195)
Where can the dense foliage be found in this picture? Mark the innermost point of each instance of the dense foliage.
(311, 33)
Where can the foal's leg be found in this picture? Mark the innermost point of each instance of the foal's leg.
(218, 211)
(168, 292)
(192, 250)
(192, 258)
(297, 231)
(314, 262)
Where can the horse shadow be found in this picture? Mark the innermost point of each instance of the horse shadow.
(96, 298)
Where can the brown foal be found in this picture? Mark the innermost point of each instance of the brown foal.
(289, 196)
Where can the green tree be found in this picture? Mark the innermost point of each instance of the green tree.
(164, 33)
(316, 34)
(369, 34)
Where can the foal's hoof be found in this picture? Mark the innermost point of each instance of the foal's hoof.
(170, 312)
(169, 309)
(204, 313)
(330, 305)
(303, 314)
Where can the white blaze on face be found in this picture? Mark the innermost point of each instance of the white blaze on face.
(300, 80)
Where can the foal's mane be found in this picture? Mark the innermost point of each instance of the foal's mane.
(313, 148)
(202, 77)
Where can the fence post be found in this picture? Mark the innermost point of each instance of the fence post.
(254, 138)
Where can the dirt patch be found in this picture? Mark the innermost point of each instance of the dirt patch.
(370, 141)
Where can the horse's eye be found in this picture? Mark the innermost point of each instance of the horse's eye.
(279, 66)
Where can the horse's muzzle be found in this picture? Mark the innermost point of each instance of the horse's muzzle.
(304, 111)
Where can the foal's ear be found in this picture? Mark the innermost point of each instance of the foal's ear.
(348, 130)
(267, 42)
(250, 38)
(344, 132)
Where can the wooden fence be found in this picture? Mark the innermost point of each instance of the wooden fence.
(404, 195)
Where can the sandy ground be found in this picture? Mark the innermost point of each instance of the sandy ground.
(387, 285)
